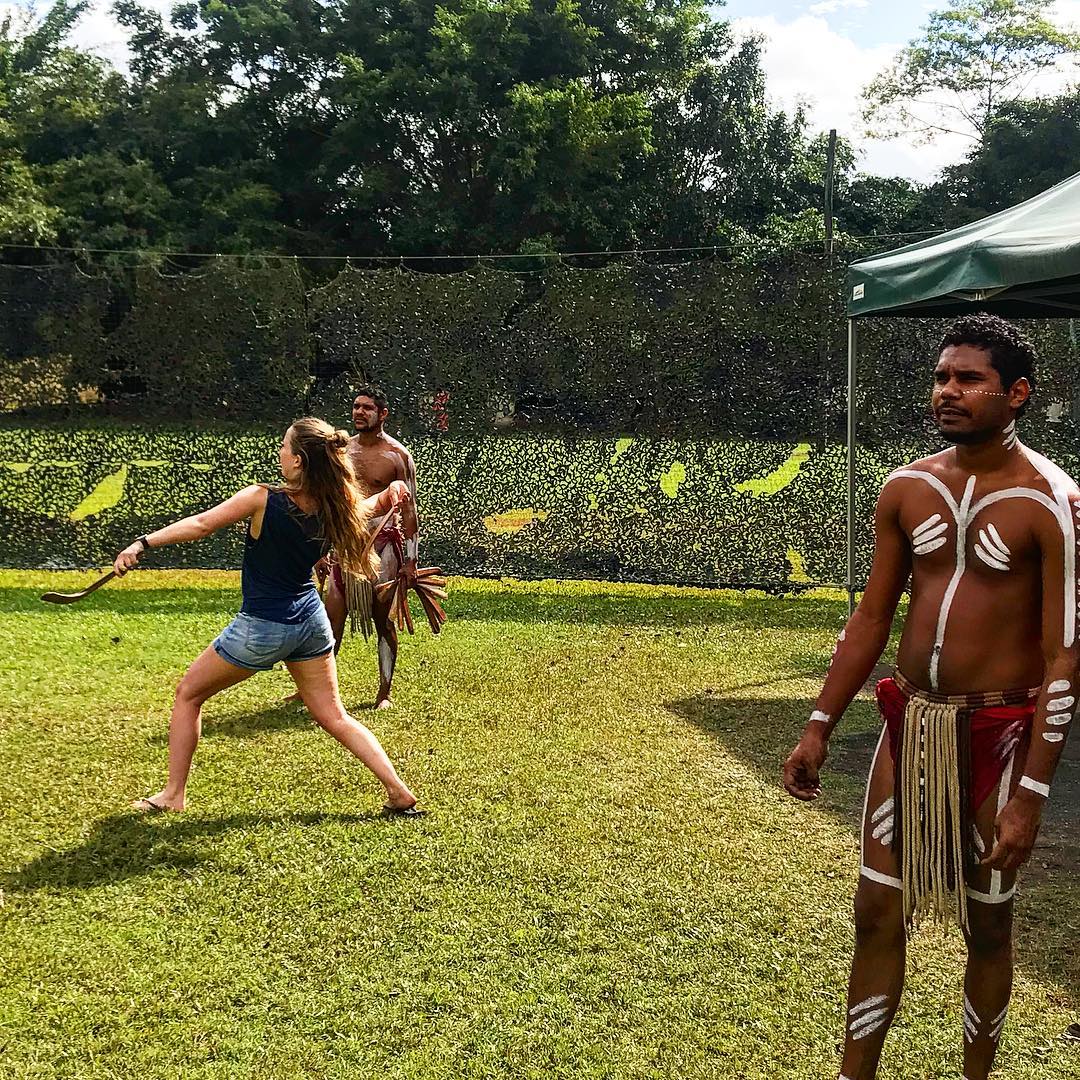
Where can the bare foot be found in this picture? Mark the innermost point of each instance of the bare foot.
(384, 703)
(293, 697)
(400, 801)
(157, 804)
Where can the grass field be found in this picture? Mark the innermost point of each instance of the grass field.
(610, 882)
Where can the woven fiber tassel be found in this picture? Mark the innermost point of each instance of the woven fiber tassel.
(932, 853)
(359, 594)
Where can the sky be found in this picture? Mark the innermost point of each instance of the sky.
(817, 52)
(823, 52)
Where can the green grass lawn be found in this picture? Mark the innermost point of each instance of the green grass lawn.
(610, 882)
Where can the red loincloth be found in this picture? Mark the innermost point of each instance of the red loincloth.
(390, 533)
(994, 731)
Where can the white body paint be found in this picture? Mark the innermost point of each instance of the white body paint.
(883, 820)
(990, 548)
(1059, 686)
(998, 1023)
(1006, 745)
(864, 870)
(971, 1021)
(1009, 439)
(1060, 704)
(997, 895)
(820, 717)
(1036, 786)
(929, 536)
(1004, 786)
(868, 1016)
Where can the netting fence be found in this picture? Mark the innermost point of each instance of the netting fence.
(680, 423)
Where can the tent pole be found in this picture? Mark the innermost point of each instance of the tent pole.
(852, 351)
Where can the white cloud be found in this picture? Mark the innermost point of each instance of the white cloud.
(808, 62)
(1066, 13)
(828, 7)
(97, 31)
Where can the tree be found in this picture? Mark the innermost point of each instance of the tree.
(405, 127)
(26, 217)
(1028, 147)
(723, 158)
(974, 58)
(70, 173)
(469, 126)
(875, 205)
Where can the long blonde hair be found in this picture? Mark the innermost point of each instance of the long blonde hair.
(328, 478)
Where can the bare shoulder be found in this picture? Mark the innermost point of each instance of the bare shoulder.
(400, 449)
(1063, 487)
(934, 465)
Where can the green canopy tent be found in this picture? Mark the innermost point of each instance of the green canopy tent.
(1023, 262)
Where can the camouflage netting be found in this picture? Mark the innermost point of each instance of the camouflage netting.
(675, 423)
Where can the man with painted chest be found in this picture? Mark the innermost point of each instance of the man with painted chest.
(986, 683)
(377, 460)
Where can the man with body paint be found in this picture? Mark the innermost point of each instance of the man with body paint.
(377, 460)
(985, 689)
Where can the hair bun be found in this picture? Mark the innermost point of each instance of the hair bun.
(337, 440)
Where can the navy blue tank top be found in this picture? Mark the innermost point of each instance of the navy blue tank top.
(275, 578)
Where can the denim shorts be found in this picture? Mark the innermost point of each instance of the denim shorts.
(258, 644)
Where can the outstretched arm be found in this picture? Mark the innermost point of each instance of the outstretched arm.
(1017, 826)
(244, 504)
(859, 647)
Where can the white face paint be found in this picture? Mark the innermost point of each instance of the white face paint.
(990, 548)
(868, 1016)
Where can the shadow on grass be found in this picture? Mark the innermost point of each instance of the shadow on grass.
(247, 725)
(762, 731)
(131, 844)
(560, 604)
(178, 601)
(284, 717)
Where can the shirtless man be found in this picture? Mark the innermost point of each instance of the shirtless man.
(983, 696)
(378, 460)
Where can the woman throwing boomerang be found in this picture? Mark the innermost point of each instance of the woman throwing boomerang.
(289, 529)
